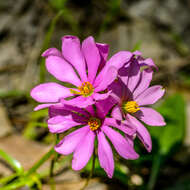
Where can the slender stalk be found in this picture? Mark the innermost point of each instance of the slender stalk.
(40, 162)
(91, 172)
(157, 161)
(51, 173)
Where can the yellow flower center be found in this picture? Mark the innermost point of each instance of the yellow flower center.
(86, 89)
(94, 123)
(131, 107)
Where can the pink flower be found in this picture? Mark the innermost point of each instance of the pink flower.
(86, 126)
(72, 65)
(132, 94)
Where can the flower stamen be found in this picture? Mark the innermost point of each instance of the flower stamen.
(86, 89)
(94, 123)
(131, 107)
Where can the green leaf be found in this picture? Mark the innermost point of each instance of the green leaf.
(58, 4)
(173, 110)
(12, 162)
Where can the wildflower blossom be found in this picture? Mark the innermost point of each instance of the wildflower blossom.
(85, 67)
(87, 125)
(132, 94)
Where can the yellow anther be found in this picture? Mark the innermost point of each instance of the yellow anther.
(94, 123)
(86, 89)
(131, 107)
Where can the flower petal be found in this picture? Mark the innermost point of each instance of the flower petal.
(104, 50)
(150, 95)
(79, 101)
(123, 148)
(92, 57)
(58, 109)
(83, 151)
(116, 113)
(119, 90)
(146, 77)
(42, 106)
(91, 110)
(105, 155)
(71, 141)
(60, 124)
(133, 75)
(108, 78)
(150, 117)
(148, 62)
(52, 51)
(98, 96)
(117, 61)
(71, 51)
(126, 128)
(142, 132)
(62, 70)
(104, 106)
(49, 92)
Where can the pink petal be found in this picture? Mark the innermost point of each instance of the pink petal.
(119, 90)
(133, 76)
(119, 125)
(116, 113)
(117, 61)
(148, 62)
(79, 101)
(58, 109)
(42, 106)
(123, 148)
(130, 139)
(62, 70)
(142, 132)
(108, 78)
(49, 92)
(71, 51)
(98, 96)
(150, 117)
(83, 151)
(92, 57)
(71, 141)
(105, 155)
(150, 95)
(90, 109)
(104, 106)
(51, 51)
(103, 50)
(76, 109)
(146, 77)
(60, 124)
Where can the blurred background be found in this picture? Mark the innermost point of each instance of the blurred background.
(158, 28)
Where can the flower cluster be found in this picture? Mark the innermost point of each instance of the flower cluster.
(105, 99)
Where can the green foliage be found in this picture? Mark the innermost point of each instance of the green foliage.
(12, 162)
(36, 120)
(173, 110)
(58, 4)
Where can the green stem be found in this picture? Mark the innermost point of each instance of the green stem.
(12, 162)
(157, 161)
(40, 162)
(91, 172)
(51, 174)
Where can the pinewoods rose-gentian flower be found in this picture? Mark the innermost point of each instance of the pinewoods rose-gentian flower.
(133, 94)
(87, 125)
(85, 67)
